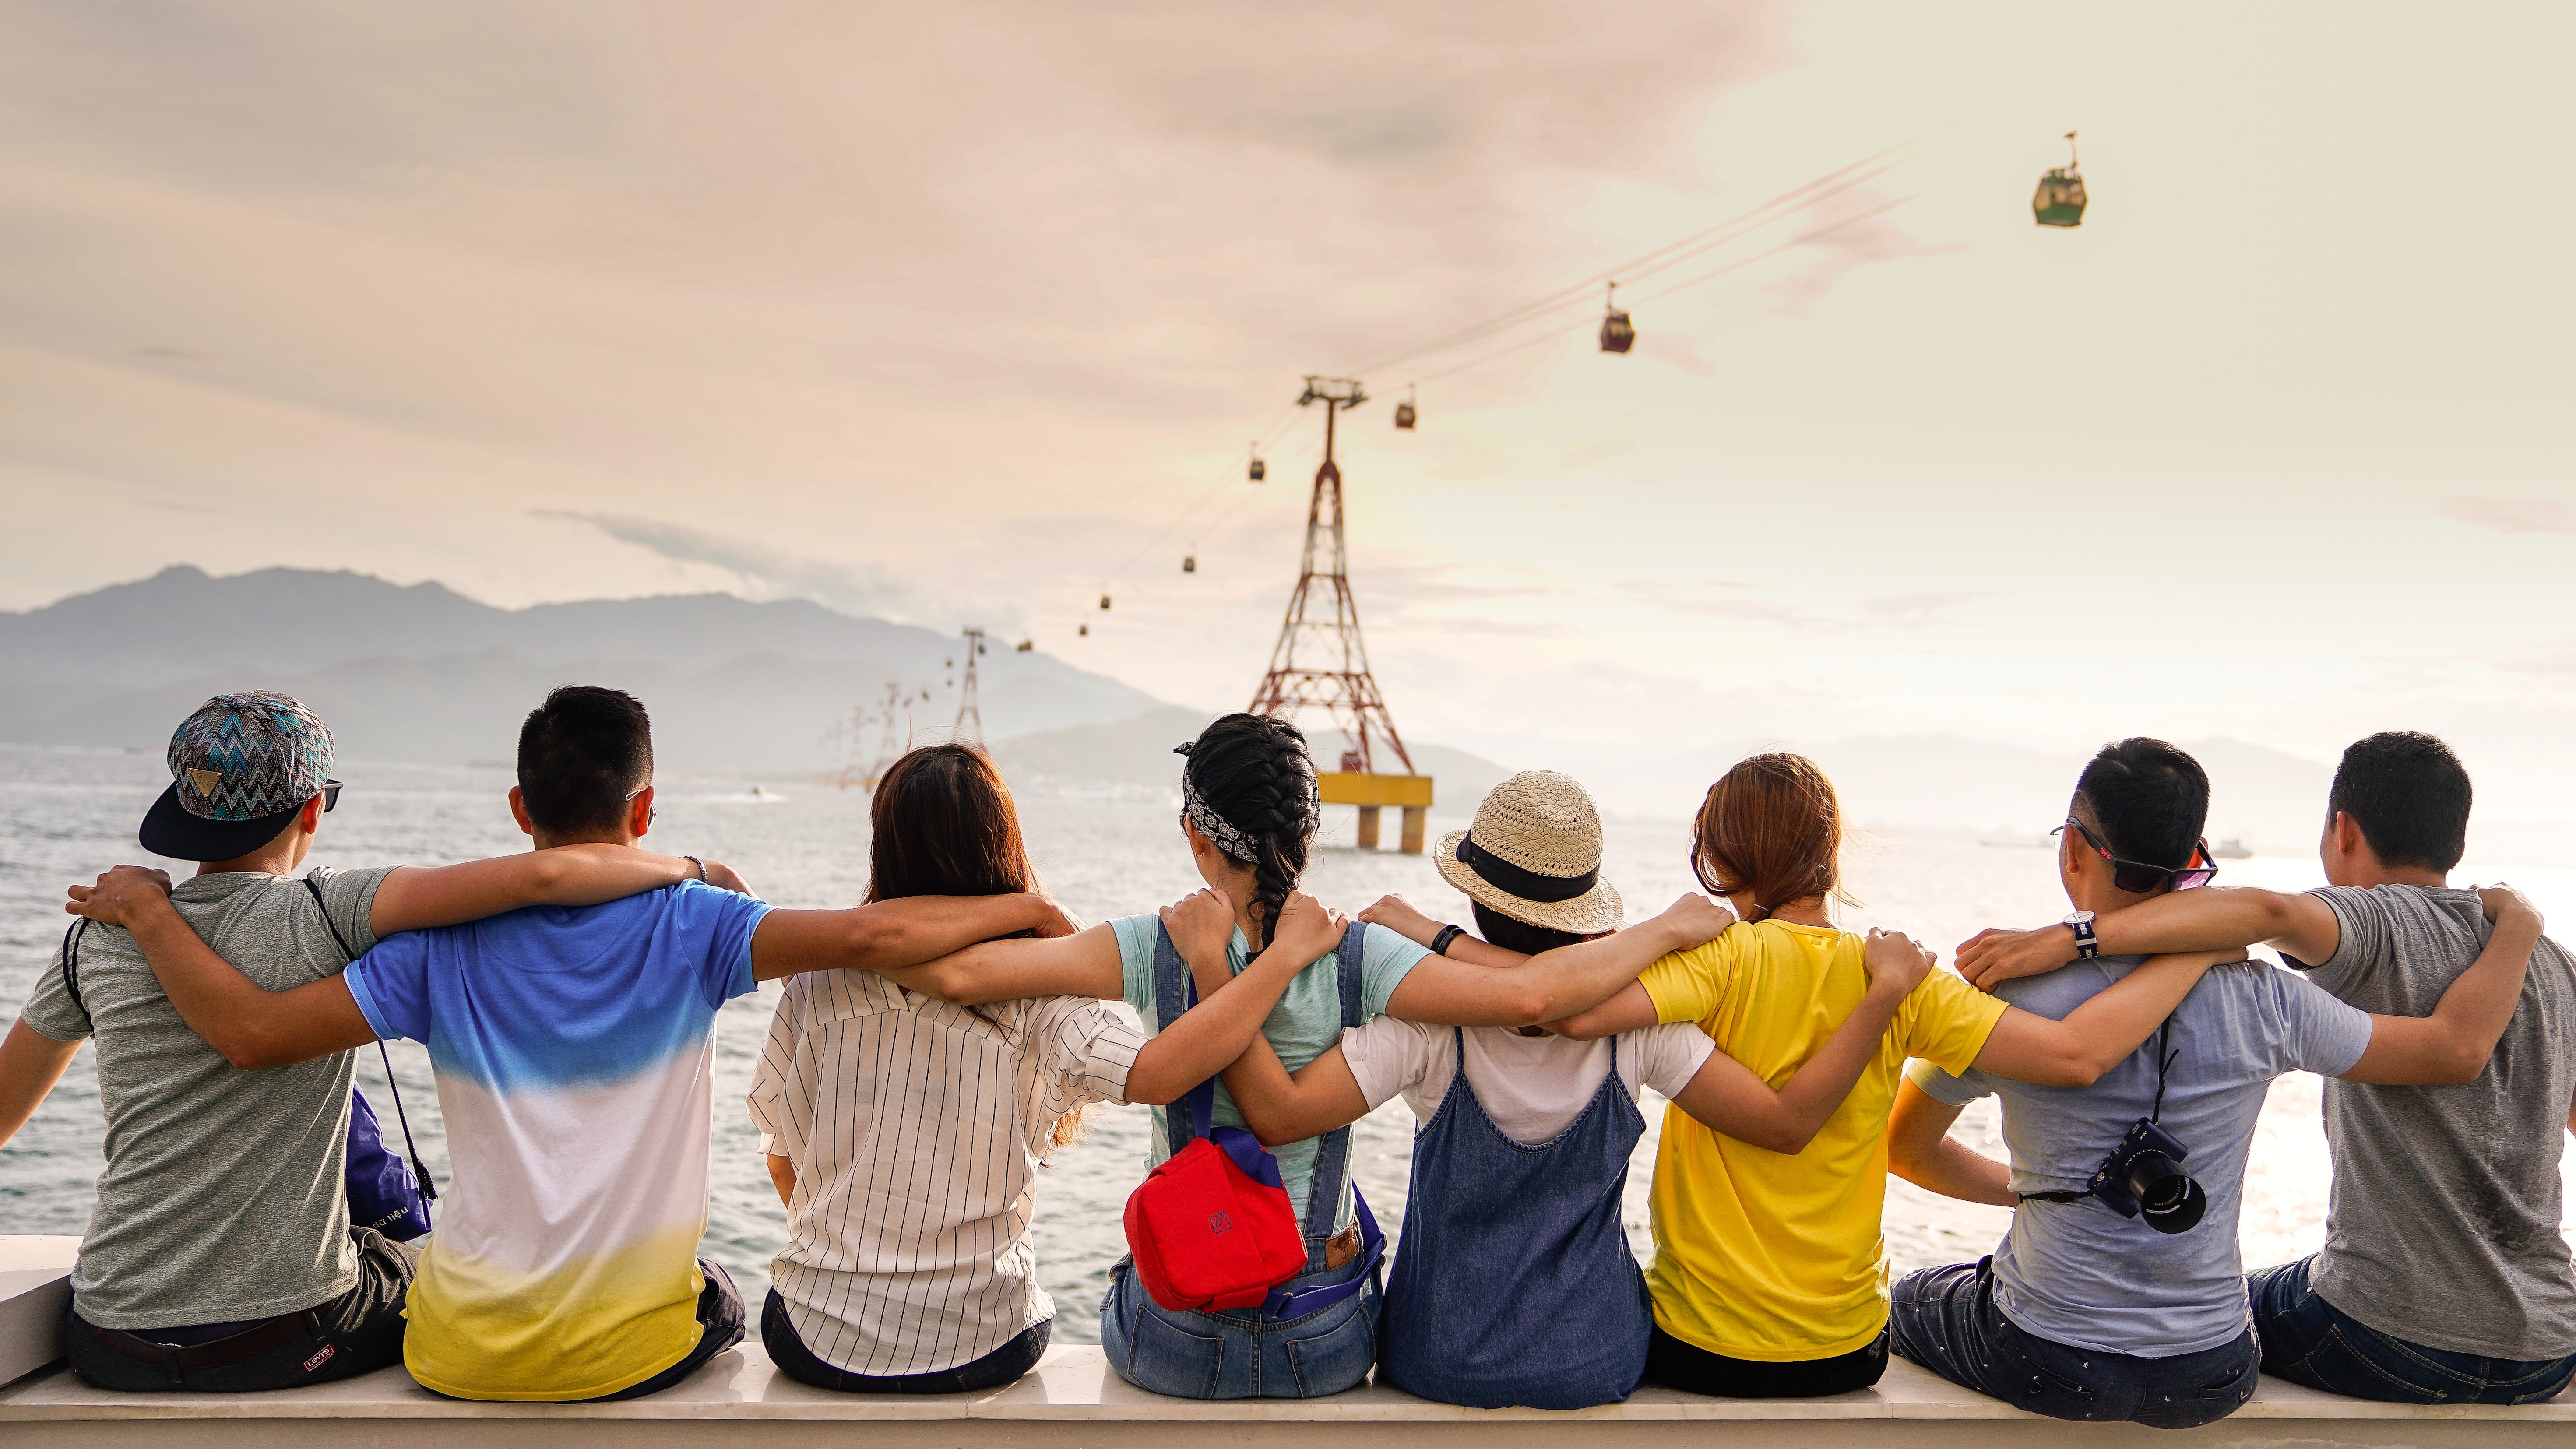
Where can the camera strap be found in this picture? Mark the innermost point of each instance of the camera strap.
(2164, 1065)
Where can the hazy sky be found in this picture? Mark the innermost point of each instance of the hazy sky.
(942, 312)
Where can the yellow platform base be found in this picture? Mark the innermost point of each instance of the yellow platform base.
(1410, 793)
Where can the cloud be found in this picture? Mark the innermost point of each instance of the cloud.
(1925, 608)
(2511, 515)
(764, 573)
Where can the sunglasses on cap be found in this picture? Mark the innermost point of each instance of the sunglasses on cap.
(2136, 876)
(330, 796)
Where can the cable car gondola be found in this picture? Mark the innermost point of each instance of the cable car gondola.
(1259, 469)
(1189, 563)
(1025, 646)
(1104, 603)
(1084, 632)
(1618, 334)
(1404, 410)
(2059, 201)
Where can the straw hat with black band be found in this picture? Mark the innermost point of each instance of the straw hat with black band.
(1534, 854)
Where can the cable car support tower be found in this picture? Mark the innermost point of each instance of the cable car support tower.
(1320, 662)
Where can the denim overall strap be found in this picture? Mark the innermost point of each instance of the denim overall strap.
(1515, 1284)
(1332, 1169)
(1333, 1149)
(1175, 992)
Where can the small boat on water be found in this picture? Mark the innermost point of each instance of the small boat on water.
(2231, 849)
(2017, 842)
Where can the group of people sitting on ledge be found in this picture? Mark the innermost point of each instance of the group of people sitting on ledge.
(934, 1044)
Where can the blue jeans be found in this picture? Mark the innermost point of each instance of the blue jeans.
(1946, 1320)
(1240, 1353)
(2310, 1341)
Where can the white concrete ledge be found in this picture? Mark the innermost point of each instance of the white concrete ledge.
(1071, 1399)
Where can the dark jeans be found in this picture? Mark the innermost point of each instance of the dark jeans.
(2310, 1341)
(720, 1328)
(355, 1333)
(1946, 1320)
(794, 1359)
(1694, 1370)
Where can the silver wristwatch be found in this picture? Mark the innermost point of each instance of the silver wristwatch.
(2087, 944)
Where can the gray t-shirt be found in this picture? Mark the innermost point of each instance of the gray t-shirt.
(2079, 1273)
(223, 1198)
(2443, 1225)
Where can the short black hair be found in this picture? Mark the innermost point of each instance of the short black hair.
(1518, 935)
(2410, 796)
(2148, 799)
(582, 755)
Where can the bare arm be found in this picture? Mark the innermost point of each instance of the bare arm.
(1725, 1096)
(1084, 964)
(2453, 1044)
(2101, 1033)
(907, 931)
(2215, 919)
(250, 1025)
(1230, 1011)
(782, 1176)
(30, 1063)
(1407, 920)
(1442, 991)
(1920, 1150)
(416, 897)
(1631, 1010)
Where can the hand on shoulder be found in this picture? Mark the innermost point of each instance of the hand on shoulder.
(122, 889)
(1403, 918)
(1694, 920)
(1305, 929)
(1896, 962)
(1990, 958)
(1201, 923)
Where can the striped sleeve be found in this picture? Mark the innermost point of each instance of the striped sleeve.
(1087, 1051)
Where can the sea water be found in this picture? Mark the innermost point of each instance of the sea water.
(66, 815)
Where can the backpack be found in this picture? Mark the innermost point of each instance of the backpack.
(1212, 1228)
(386, 1193)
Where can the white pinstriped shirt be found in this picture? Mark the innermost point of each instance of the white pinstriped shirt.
(916, 1129)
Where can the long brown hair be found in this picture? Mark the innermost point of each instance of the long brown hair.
(1771, 828)
(942, 824)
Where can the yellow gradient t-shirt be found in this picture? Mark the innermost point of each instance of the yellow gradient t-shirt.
(1764, 1256)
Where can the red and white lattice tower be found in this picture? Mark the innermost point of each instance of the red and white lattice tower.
(1321, 663)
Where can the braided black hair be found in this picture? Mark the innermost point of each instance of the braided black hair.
(1256, 772)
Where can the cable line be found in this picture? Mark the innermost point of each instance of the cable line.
(1796, 241)
(1659, 257)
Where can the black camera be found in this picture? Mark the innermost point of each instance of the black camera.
(2144, 1176)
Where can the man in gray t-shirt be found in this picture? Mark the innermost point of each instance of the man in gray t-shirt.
(220, 1256)
(2100, 1304)
(2445, 1277)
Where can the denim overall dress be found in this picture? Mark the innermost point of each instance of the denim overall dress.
(1250, 1353)
(1513, 1284)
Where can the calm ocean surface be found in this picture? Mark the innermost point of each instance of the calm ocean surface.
(66, 815)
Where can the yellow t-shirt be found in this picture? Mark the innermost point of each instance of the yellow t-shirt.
(1767, 1257)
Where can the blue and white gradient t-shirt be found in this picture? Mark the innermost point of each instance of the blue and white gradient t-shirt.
(2080, 1274)
(574, 1050)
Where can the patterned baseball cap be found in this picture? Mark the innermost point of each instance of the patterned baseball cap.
(240, 767)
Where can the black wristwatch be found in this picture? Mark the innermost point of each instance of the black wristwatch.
(2087, 944)
(1440, 943)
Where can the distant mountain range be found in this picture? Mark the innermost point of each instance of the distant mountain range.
(422, 673)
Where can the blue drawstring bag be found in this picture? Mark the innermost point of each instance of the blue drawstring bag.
(382, 1192)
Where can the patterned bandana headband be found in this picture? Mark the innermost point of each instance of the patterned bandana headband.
(1219, 831)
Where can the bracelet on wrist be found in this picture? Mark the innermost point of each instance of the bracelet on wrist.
(1440, 943)
(700, 864)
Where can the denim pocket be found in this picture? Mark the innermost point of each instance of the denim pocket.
(1166, 1358)
(1332, 1359)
